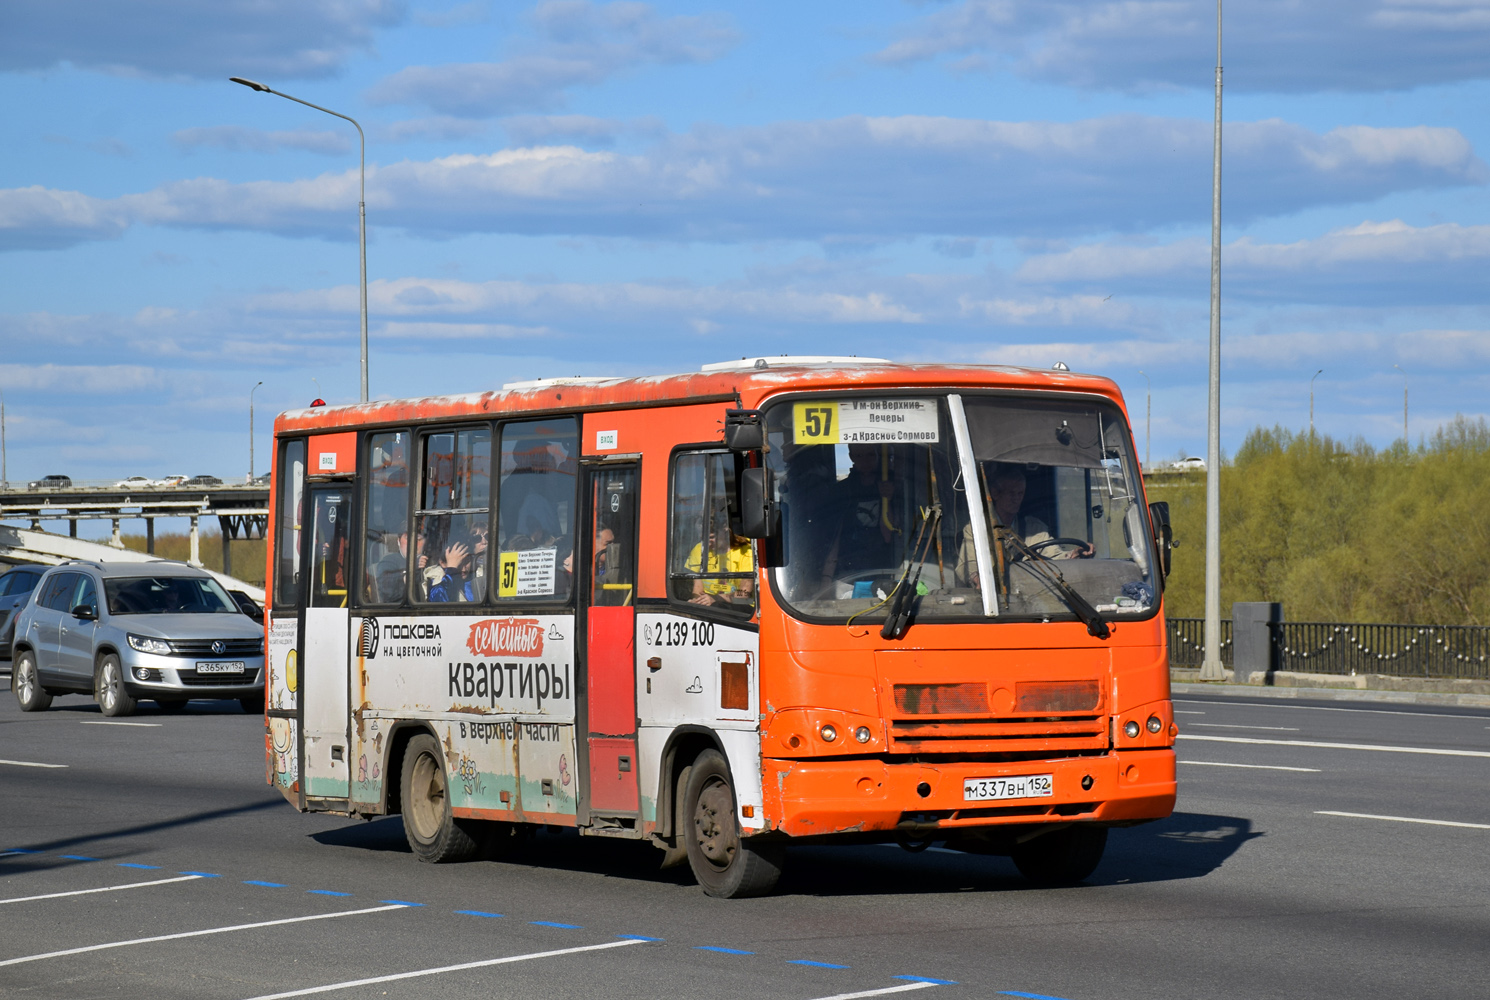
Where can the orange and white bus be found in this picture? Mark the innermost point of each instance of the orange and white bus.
(781, 600)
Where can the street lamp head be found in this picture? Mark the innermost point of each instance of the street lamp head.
(250, 84)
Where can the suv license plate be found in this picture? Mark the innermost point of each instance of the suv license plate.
(1017, 786)
(227, 667)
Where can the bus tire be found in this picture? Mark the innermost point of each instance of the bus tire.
(29, 692)
(1063, 857)
(435, 835)
(108, 688)
(726, 865)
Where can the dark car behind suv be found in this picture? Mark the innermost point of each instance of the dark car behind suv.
(15, 587)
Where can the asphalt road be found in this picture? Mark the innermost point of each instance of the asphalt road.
(1279, 875)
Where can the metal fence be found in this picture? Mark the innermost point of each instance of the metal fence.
(1439, 651)
(1187, 641)
(1454, 651)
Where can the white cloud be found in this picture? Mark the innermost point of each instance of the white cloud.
(38, 218)
(847, 178)
(579, 43)
(237, 138)
(1269, 45)
(1441, 263)
(192, 38)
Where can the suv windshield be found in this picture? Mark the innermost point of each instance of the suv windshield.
(167, 595)
(872, 493)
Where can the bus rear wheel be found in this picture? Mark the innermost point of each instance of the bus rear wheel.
(434, 834)
(1063, 857)
(726, 865)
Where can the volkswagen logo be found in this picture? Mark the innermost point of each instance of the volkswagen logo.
(219, 647)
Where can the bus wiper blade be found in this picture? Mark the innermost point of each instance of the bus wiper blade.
(898, 621)
(1096, 625)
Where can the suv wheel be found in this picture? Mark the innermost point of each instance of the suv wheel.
(29, 692)
(108, 688)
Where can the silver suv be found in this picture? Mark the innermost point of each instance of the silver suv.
(127, 631)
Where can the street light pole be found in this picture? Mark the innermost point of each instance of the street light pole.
(1405, 440)
(251, 431)
(361, 203)
(1210, 667)
(1148, 420)
(1311, 401)
(4, 475)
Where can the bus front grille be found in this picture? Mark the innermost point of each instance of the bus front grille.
(989, 734)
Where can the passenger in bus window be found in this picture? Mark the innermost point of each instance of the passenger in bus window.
(866, 537)
(391, 571)
(728, 553)
(453, 582)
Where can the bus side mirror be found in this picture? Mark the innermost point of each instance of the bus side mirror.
(744, 430)
(1163, 533)
(757, 509)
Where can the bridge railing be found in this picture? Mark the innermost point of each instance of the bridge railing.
(1187, 641)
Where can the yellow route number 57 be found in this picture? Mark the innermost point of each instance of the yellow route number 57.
(815, 423)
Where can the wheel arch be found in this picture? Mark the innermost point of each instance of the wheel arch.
(683, 746)
(399, 736)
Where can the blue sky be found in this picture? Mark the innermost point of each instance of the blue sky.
(575, 187)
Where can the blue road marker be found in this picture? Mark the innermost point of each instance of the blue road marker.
(19, 850)
(927, 979)
(1027, 996)
(326, 892)
(478, 913)
(127, 864)
(77, 857)
(815, 965)
(202, 874)
(638, 937)
(722, 951)
(267, 885)
(399, 902)
(550, 923)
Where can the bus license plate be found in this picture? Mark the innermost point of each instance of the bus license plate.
(222, 667)
(1017, 786)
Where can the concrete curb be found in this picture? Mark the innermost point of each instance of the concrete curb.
(1433, 698)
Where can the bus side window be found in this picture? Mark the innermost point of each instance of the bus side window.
(288, 517)
(451, 524)
(385, 552)
(708, 565)
(535, 509)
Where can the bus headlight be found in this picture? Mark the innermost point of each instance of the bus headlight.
(1130, 729)
(829, 734)
(862, 734)
(1155, 724)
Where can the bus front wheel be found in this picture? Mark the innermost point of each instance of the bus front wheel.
(1063, 857)
(726, 865)
(434, 834)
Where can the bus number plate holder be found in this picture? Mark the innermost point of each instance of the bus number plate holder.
(1014, 786)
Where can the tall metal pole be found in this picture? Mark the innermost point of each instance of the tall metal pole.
(1211, 668)
(1405, 439)
(1148, 421)
(361, 203)
(251, 431)
(4, 475)
(1311, 401)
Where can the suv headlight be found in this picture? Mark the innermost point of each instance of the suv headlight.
(146, 644)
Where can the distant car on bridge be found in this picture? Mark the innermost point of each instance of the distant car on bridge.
(169, 481)
(1190, 464)
(203, 481)
(53, 482)
(133, 483)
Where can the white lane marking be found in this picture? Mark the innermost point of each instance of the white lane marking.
(29, 763)
(186, 934)
(1258, 767)
(1180, 711)
(394, 977)
(1335, 746)
(1328, 708)
(144, 725)
(1222, 725)
(879, 993)
(1407, 819)
(107, 888)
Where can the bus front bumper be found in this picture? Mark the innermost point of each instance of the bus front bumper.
(831, 797)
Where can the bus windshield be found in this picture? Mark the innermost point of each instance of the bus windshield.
(873, 496)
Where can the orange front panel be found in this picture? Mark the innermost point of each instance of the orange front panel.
(332, 454)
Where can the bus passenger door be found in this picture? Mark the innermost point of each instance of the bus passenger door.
(324, 647)
(609, 602)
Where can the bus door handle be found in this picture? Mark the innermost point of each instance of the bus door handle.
(623, 763)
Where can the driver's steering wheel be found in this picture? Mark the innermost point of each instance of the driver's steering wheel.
(1084, 547)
